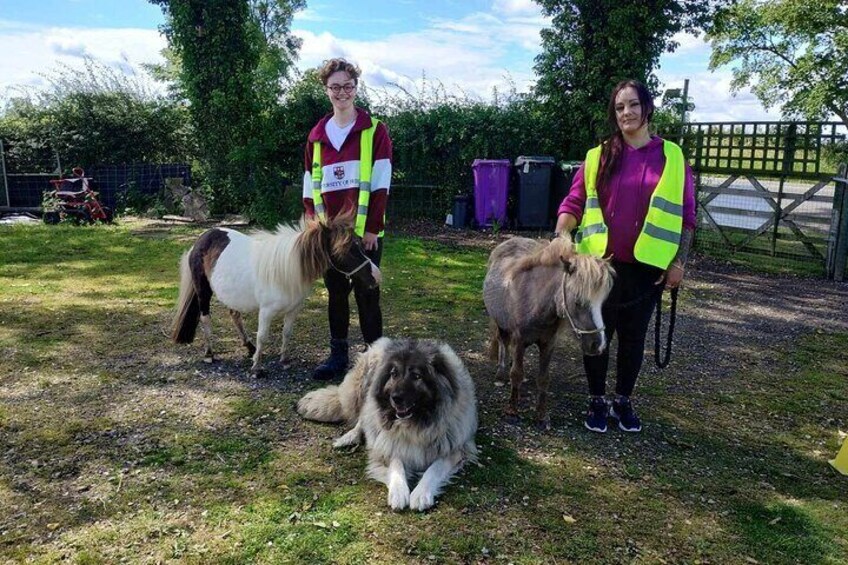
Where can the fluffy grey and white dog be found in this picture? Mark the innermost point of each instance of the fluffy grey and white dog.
(413, 403)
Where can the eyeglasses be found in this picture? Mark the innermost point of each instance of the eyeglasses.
(336, 88)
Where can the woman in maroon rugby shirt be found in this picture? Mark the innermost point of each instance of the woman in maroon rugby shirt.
(332, 185)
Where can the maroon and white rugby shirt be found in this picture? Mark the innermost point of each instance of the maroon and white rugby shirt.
(340, 180)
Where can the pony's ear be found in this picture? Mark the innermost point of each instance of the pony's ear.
(567, 264)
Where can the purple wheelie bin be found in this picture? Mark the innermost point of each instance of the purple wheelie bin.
(491, 182)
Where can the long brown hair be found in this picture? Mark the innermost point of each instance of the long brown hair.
(613, 145)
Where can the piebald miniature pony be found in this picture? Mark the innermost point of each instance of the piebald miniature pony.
(532, 290)
(269, 272)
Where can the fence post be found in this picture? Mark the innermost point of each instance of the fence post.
(840, 200)
(3, 173)
(787, 166)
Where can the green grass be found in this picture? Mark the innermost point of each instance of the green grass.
(116, 445)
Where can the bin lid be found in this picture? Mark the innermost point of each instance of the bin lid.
(535, 159)
(490, 163)
(570, 166)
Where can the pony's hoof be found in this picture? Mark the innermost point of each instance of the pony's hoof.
(257, 373)
(209, 359)
(512, 419)
(286, 364)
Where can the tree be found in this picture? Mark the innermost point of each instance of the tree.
(96, 115)
(232, 60)
(594, 44)
(791, 52)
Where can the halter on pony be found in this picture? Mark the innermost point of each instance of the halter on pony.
(353, 272)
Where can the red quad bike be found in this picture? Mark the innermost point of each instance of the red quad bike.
(74, 199)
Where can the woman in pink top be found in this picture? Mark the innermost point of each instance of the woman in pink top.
(631, 164)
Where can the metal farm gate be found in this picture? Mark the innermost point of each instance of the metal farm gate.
(771, 189)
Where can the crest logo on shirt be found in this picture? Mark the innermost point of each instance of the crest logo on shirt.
(338, 171)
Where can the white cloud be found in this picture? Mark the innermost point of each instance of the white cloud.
(710, 91)
(516, 7)
(308, 15)
(689, 45)
(32, 52)
(470, 55)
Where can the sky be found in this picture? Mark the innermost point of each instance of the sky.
(468, 46)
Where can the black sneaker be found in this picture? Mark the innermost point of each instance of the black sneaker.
(596, 415)
(622, 410)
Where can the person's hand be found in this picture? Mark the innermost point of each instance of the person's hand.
(369, 241)
(672, 276)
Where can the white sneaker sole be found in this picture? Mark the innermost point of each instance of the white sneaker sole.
(620, 426)
(596, 430)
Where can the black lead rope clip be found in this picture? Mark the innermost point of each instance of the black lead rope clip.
(662, 361)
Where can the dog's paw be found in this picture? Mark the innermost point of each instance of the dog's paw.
(421, 498)
(350, 438)
(398, 495)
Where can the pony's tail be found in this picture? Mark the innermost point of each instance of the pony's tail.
(322, 405)
(494, 341)
(188, 308)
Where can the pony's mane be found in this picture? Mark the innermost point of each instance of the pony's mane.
(277, 262)
(590, 278)
(549, 255)
(293, 257)
(312, 245)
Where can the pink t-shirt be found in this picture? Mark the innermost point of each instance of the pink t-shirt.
(625, 202)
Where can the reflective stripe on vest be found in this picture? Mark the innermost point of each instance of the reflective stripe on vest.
(366, 163)
(659, 239)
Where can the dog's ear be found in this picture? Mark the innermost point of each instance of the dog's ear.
(442, 367)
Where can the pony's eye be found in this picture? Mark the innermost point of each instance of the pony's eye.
(393, 373)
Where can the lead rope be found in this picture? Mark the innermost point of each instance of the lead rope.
(662, 362)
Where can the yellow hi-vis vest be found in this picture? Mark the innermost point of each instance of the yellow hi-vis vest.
(366, 146)
(659, 240)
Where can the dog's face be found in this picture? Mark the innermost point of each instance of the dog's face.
(413, 382)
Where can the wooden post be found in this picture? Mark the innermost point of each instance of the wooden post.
(699, 149)
(3, 174)
(787, 166)
(840, 200)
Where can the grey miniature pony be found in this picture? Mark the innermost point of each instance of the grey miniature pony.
(531, 291)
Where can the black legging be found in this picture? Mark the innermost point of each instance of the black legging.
(630, 323)
(367, 302)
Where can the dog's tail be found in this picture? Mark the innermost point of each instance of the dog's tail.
(188, 309)
(494, 341)
(322, 405)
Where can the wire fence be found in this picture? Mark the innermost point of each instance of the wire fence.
(117, 185)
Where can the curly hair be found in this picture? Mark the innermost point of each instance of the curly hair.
(331, 66)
